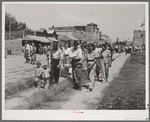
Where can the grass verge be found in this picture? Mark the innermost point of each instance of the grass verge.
(127, 91)
(13, 88)
(42, 96)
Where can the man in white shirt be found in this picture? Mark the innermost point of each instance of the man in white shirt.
(56, 60)
(75, 54)
(66, 61)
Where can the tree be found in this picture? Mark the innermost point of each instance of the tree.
(15, 25)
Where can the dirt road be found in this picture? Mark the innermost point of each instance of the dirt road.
(73, 100)
(83, 100)
(16, 68)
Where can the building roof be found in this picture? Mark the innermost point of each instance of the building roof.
(36, 38)
(50, 31)
(68, 37)
(91, 24)
(52, 39)
(62, 28)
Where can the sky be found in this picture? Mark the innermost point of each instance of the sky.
(114, 20)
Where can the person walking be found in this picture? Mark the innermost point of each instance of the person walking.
(56, 60)
(66, 61)
(91, 65)
(33, 55)
(40, 49)
(106, 54)
(126, 50)
(27, 52)
(75, 55)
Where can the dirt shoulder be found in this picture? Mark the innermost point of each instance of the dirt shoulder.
(127, 90)
(69, 99)
(83, 100)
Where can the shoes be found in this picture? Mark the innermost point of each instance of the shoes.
(90, 89)
(104, 81)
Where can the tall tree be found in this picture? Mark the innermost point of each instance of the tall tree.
(15, 25)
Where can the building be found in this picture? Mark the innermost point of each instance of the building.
(13, 47)
(139, 39)
(14, 35)
(42, 33)
(105, 38)
(91, 29)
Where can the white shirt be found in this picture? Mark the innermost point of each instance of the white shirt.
(77, 53)
(66, 51)
(28, 46)
(58, 54)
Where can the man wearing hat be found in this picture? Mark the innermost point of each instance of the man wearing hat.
(75, 54)
(56, 59)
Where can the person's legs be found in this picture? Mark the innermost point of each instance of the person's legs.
(52, 74)
(97, 71)
(66, 71)
(57, 70)
(80, 85)
(73, 67)
(110, 61)
(107, 70)
(34, 61)
(103, 72)
(92, 76)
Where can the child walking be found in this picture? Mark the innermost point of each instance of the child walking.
(38, 74)
(45, 75)
(78, 76)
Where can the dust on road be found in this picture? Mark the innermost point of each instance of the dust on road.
(74, 100)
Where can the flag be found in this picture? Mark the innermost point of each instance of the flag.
(142, 35)
(142, 25)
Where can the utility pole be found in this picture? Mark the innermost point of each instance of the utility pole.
(10, 28)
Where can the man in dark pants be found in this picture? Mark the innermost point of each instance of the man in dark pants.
(75, 54)
(56, 59)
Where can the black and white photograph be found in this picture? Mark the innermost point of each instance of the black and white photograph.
(75, 60)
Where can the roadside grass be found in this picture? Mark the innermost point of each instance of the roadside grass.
(43, 96)
(127, 91)
(13, 88)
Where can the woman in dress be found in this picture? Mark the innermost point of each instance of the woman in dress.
(105, 60)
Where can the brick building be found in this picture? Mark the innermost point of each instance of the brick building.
(139, 38)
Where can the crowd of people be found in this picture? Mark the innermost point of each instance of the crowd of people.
(30, 50)
(87, 62)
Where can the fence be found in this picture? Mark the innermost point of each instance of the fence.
(138, 57)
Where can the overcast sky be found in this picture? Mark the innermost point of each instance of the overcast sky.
(112, 19)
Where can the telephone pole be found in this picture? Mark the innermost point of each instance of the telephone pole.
(10, 28)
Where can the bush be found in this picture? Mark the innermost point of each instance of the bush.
(13, 88)
(42, 96)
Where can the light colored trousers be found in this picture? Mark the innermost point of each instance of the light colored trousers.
(104, 72)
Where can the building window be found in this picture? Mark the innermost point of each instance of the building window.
(9, 52)
(12, 38)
